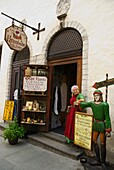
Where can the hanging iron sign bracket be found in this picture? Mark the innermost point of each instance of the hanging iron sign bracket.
(34, 29)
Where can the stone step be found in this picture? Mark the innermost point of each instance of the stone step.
(55, 136)
(3, 125)
(55, 143)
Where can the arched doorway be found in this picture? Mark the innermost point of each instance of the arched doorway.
(20, 58)
(65, 61)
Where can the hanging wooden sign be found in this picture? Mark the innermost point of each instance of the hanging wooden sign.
(104, 83)
(83, 130)
(8, 110)
(15, 37)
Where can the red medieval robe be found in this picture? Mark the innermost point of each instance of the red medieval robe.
(70, 119)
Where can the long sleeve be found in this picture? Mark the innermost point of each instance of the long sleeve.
(107, 117)
(80, 96)
(84, 105)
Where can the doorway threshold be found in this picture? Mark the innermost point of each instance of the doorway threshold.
(59, 130)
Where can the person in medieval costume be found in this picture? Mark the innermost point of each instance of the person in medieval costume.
(69, 126)
(101, 125)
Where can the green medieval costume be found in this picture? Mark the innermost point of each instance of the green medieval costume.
(101, 124)
(100, 111)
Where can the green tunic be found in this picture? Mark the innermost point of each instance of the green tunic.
(101, 115)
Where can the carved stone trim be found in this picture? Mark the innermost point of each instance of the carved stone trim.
(63, 7)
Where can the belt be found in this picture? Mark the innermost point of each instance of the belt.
(99, 120)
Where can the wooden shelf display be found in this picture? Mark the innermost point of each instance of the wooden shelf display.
(34, 96)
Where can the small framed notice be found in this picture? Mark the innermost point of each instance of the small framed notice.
(8, 110)
(83, 130)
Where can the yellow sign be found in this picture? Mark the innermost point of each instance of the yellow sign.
(8, 110)
(83, 130)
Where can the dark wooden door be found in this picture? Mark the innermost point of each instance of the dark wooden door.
(20, 59)
(17, 77)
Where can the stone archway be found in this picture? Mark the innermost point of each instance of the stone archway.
(82, 31)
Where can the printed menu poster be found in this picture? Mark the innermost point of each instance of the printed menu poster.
(35, 83)
(83, 130)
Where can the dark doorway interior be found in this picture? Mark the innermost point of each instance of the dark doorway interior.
(64, 76)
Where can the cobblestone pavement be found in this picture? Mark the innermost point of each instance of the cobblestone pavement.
(24, 156)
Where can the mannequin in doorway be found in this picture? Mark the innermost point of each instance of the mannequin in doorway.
(15, 102)
(63, 89)
(63, 94)
(56, 100)
(75, 100)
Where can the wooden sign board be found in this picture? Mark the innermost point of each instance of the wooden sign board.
(15, 37)
(83, 130)
(104, 83)
(35, 83)
(8, 110)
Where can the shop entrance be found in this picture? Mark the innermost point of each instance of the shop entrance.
(64, 76)
(64, 55)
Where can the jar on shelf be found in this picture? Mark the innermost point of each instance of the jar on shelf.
(34, 72)
(28, 71)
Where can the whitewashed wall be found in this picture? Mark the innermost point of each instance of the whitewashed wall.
(94, 15)
(97, 18)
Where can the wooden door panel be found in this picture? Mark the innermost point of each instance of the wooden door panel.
(14, 81)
